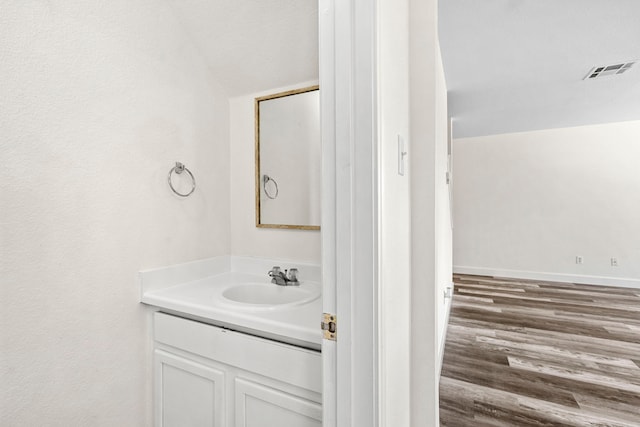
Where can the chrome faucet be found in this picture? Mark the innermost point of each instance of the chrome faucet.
(286, 278)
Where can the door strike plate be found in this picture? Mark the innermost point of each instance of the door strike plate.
(329, 326)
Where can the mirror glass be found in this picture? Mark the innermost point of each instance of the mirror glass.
(288, 159)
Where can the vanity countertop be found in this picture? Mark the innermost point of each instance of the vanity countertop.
(196, 291)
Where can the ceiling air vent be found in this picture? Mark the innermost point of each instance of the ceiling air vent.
(608, 70)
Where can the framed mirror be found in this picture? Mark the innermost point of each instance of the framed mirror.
(288, 154)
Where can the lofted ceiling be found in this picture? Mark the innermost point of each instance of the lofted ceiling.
(518, 65)
(254, 45)
(510, 65)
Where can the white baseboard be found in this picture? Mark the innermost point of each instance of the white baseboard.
(443, 338)
(551, 277)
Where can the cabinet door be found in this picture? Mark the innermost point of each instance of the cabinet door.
(187, 393)
(258, 405)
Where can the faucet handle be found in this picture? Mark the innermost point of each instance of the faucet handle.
(275, 271)
(293, 274)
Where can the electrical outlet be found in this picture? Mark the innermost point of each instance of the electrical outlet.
(614, 262)
(579, 260)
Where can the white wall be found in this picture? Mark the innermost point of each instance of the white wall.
(97, 101)
(430, 220)
(526, 204)
(443, 233)
(394, 228)
(424, 184)
(246, 238)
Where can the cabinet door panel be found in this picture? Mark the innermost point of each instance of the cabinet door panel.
(188, 394)
(258, 405)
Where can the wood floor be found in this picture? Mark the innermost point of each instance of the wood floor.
(529, 353)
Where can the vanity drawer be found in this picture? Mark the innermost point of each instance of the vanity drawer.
(294, 365)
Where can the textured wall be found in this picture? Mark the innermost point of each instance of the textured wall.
(246, 239)
(526, 204)
(97, 100)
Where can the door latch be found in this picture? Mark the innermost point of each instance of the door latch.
(329, 326)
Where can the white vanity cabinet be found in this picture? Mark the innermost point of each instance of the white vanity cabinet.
(188, 393)
(210, 376)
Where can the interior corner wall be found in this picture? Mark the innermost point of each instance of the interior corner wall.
(430, 219)
(246, 238)
(98, 101)
(443, 233)
(527, 204)
(394, 227)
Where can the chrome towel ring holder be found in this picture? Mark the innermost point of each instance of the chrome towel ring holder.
(265, 180)
(178, 169)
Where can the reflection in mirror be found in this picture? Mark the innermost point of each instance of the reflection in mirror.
(288, 160)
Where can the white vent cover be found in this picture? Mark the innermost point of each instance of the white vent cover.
(608, 70)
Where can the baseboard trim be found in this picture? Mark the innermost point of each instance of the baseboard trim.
(551, 277)
(445, 326)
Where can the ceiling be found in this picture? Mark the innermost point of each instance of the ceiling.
(510, 65)
(518, 65)
(254, 45)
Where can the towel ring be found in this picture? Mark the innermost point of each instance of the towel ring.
(178, 169)
(265, 180)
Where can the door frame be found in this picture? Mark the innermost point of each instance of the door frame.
(350, 210)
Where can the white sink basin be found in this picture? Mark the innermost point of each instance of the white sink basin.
(259, 295)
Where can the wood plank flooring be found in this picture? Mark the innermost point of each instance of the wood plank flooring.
(524, 353)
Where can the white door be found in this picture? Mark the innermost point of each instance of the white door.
(349, 209)
(378, 83)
